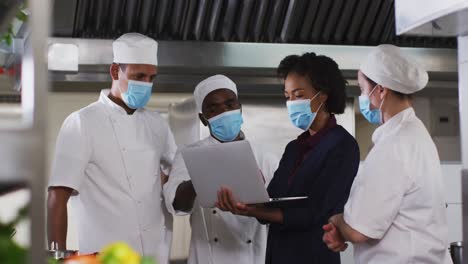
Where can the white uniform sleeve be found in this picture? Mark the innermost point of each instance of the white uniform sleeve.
(377, 192)
(169, 151)
(72, 154)
(266, 161)
(269, 166)
(178, 174)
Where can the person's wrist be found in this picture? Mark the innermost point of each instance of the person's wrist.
(334, 220)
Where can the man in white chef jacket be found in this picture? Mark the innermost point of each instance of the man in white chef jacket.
(109, 157)
(217, 236)
(396, 209)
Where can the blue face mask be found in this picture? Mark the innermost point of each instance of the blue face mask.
(138, 94)
(226, 126)
(300, 113)
(373, 116)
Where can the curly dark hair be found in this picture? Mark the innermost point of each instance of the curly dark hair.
(324, 75)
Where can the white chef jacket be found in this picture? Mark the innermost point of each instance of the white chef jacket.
(112, 160)
(226, 238)
(397, 198)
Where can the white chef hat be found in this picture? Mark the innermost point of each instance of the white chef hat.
(388, 66)
(211, 84)
(135, 48)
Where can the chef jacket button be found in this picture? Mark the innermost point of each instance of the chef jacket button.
(123, 149)
(249, 241)
(214, 211)
(215, 239)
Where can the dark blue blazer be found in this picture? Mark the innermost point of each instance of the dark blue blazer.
(325, 176)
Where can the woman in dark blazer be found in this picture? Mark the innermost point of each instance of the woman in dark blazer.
(321, 164)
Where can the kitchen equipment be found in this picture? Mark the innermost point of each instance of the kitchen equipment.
(55, 253)
(456, 251)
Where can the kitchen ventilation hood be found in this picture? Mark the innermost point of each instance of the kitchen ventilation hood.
(245, 39)
(446, 18)
(325, 22)
(251, 65)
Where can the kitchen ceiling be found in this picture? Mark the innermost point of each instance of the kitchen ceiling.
(328, 22)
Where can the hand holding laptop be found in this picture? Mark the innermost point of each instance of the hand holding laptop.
(226, 202)
(232, 165)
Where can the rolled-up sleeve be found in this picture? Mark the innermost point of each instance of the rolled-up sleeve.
(72, 154)
(178, 175)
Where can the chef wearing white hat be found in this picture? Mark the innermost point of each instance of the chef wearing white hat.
(396, 209)
(217, 236)
(110, 157)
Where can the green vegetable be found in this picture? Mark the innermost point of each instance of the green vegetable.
(147, 260)
(10, 251)
(8, 36)
(53, 261)
(22, 16)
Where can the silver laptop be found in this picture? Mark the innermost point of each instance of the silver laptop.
(230, 165)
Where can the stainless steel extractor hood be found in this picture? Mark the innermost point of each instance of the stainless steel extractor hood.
(252, 65)
(325, 22)
(446, 18)
(245, 39)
